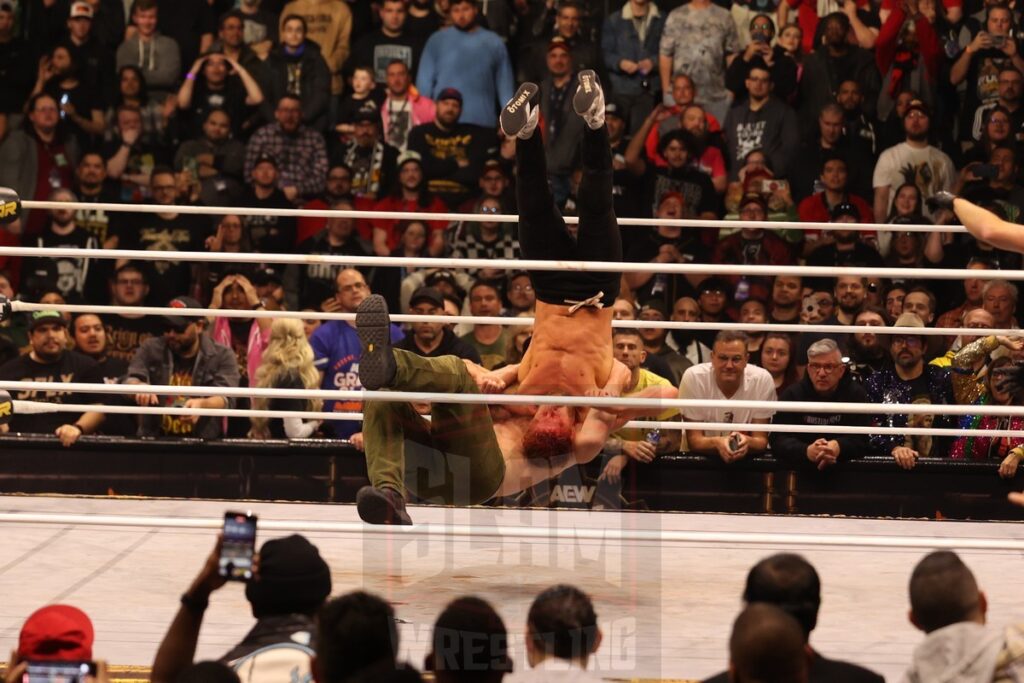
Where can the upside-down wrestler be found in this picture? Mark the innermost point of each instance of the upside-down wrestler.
(467, 454)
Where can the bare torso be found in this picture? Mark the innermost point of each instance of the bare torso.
(568, 354)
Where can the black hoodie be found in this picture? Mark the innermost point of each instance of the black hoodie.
(791, 448)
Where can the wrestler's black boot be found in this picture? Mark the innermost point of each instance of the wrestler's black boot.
(588, 101)
(519, 116)
(381, 506)
(377, 366)
(940, 200)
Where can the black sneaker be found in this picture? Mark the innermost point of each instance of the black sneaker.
(377, 365)
(940, 200)
(589, 97)
(381, 506)
(515, 115)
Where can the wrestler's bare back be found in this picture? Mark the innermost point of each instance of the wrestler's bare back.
(569, 354)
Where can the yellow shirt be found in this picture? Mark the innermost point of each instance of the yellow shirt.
(645, 380)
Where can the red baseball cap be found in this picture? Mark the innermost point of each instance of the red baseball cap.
(57, 633)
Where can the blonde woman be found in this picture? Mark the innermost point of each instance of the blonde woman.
(287, 364)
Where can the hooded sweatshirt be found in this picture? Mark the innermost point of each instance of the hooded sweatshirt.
(159, 59)
(965, 652)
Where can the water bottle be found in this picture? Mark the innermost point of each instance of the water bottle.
(653, 437)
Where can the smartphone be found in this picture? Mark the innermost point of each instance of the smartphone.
(998, 41)
(985, 170)
(58, 672)
(238, 546)
(63, 101)
(734, 443)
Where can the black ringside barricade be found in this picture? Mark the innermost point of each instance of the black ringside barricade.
(332, 471)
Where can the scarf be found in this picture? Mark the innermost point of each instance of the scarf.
(367, 180)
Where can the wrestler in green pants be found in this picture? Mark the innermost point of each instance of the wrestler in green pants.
(453, 458)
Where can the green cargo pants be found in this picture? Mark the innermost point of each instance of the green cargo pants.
(451, 459)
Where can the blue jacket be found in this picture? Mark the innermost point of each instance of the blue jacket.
(620, 40)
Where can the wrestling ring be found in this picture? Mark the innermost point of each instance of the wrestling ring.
(666, 585)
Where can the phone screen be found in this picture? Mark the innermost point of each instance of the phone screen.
(238, 546)
(58, 672)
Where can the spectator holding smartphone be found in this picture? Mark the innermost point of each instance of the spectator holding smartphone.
(54, 634)
(290, 583)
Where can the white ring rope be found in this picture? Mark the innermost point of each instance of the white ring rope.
(35, 408)
(473, 217)
(513, 264)
(515, 399)
(512, 321)
(560, 532)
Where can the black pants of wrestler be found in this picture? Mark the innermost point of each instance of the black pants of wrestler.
(542, 231)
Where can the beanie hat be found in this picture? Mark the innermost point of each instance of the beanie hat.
(56, 633)
(293, 578)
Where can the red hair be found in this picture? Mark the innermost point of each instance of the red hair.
(547, 437)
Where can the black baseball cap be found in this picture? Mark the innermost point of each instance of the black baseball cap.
(368, 113)
(40, 318)
(845, 209)
(427, 295)
(179, 322)
(265, 158)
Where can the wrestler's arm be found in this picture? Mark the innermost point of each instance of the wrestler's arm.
(988, 227)
(492, 381)
(600, 423)
(618, 380)
(625, 413)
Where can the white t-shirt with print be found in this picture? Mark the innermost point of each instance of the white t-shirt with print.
(699, 383)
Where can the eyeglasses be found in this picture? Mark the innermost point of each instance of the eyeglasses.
(137, 282)
(522, 288)
(824, 367)
(164, 188)
(488, 209)
(354, 287)
(909, 342)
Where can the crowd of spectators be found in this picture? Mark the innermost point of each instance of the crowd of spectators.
(838, 112)
(301, 633)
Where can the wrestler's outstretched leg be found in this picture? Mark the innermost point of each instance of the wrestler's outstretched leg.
(598, 238)
(453, 459)
(542, 232)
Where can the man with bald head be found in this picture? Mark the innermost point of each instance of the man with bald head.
(688, 342)
(336, 353)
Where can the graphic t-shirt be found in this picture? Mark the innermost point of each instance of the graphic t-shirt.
(71, 367)
(181, 376)
(125, 335)
(69, 274)
(150, 232)
(493, 354)
(336, 352)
